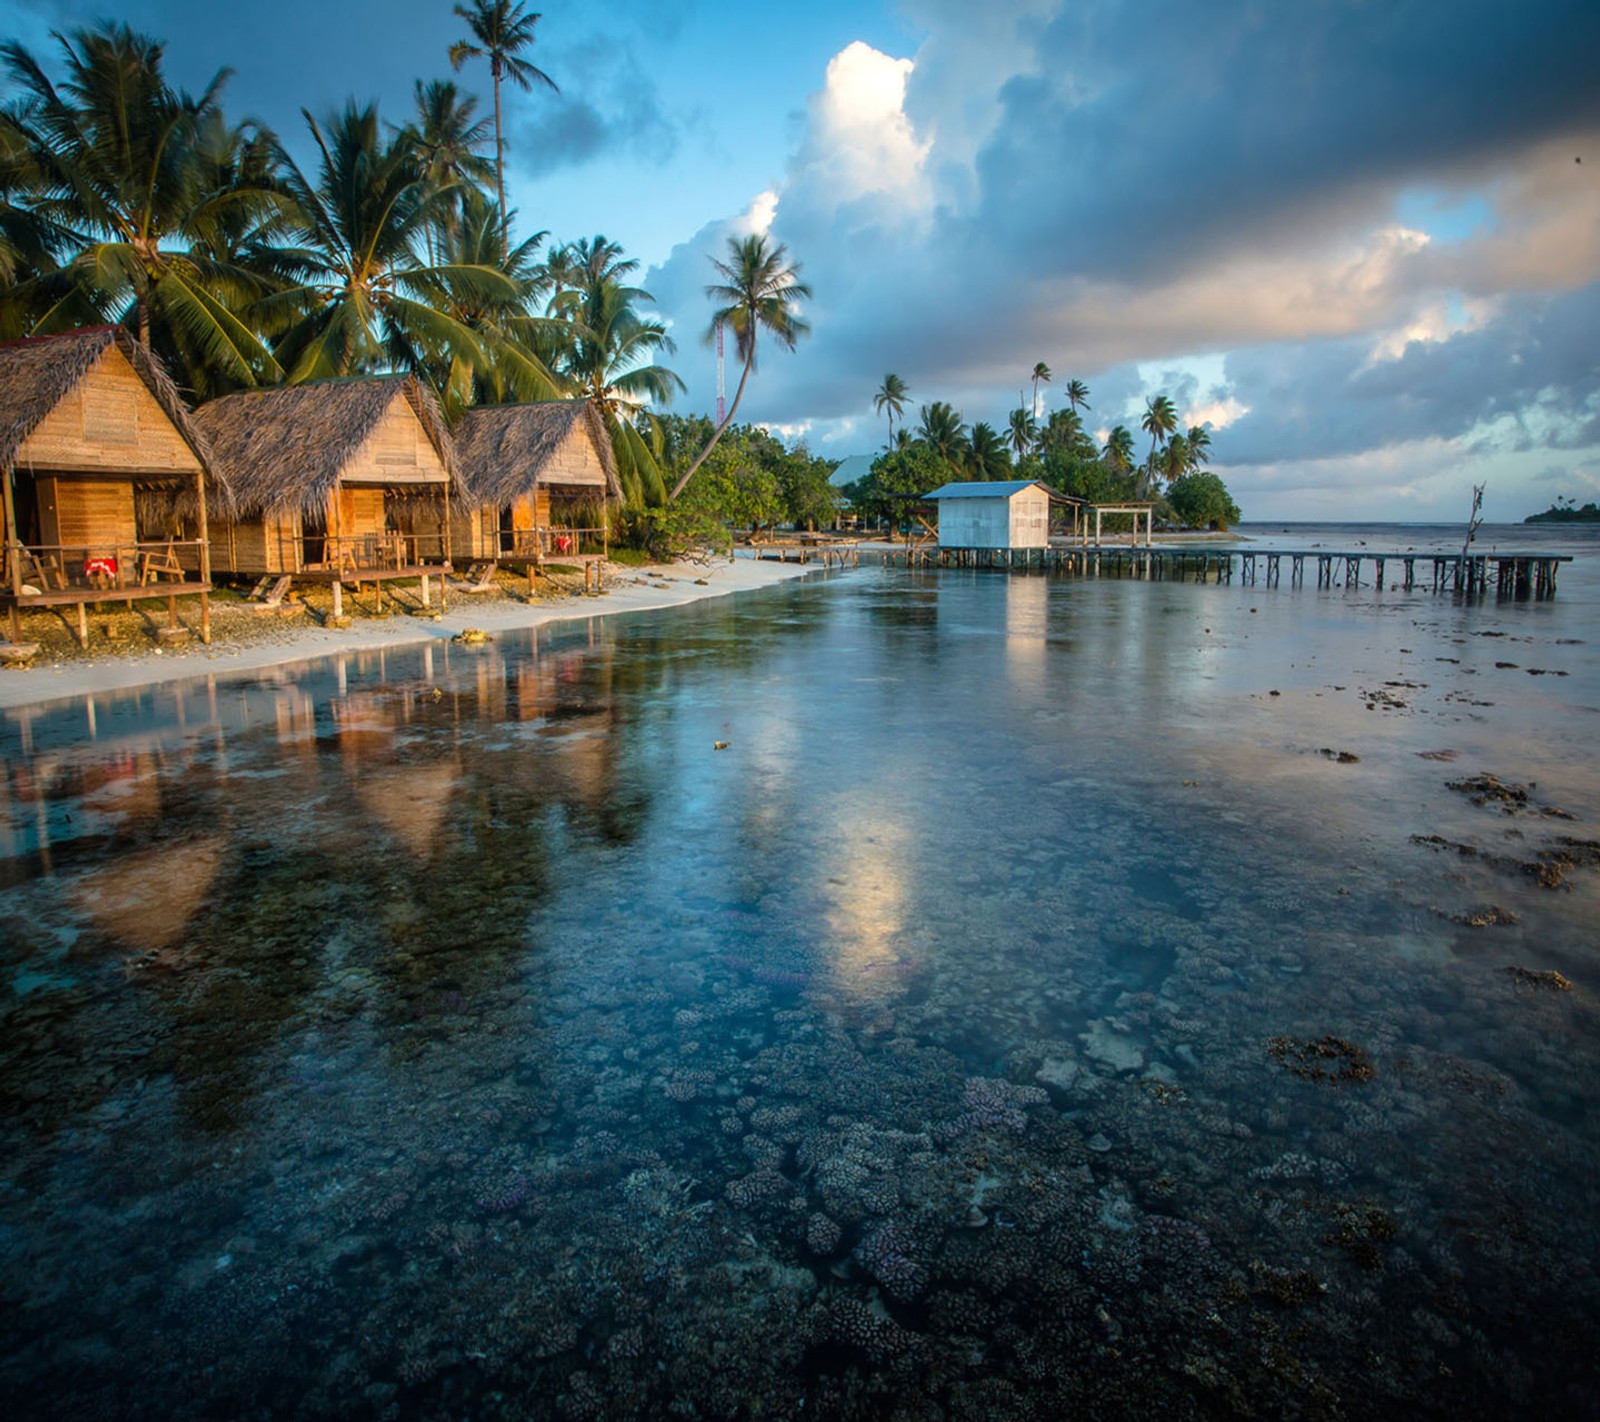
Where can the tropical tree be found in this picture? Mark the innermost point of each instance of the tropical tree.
(1118, 451)
(112, 158)
(611, 358)
(1175, 458)
(759, 293)
(1199, 446)
(986, 453)
(1024, 431)
(1077, 394)
(364, 300)
(500, 31)
(449, 139)
(942, 430)
(1063, 431)
(1160, 420)
(1041, 372)
(1202, 500)
(891, 397)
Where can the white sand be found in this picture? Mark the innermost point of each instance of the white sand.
(50, 683)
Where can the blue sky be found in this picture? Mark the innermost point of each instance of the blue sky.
(1355, 238)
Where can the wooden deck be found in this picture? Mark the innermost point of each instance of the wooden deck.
(1516, 574)
(830, 552)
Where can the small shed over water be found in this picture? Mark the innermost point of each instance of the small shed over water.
(540, 477)
(1013, 513)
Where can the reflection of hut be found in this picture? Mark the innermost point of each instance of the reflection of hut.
(539, 479)
(340, 481)
(104, 478)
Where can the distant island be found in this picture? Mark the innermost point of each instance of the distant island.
(1565, 511)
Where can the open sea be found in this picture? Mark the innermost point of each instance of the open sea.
(919, 995)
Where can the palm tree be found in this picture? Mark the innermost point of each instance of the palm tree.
(1175, 458)
(986, 453)
(1041, 372)
(449, 138)
(1199, 446)
(1024, 431)
(1077, 394)
(944, 432)
(892, 396)
(364, 301)
(500, 31)
(1063, 431)
(1160, 420)
(611, 359)
(1118, 451)
(112, 158)
(760, 292)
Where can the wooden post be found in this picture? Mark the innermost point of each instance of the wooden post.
(83, 625)
(338, 598)
(13, 534)
(425, 601)
(172, 612)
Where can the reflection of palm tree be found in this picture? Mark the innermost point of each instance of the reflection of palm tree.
(891, 397)
(760, 292)
(500, 30)
(1041, 372)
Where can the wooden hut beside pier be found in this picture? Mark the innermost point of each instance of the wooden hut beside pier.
(1010, 513)
(105, 479)
(541, 479)
(338, 481)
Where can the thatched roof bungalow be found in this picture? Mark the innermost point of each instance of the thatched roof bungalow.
(346, 480)
(106, 477)
(539, 478)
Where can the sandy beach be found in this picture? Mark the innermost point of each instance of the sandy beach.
(631, 590)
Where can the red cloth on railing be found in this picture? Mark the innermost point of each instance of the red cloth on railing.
(563, 543)
(104, 566)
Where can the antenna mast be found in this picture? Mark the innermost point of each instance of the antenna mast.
(722, 392)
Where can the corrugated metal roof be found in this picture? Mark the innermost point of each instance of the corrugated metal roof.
(1000, 488)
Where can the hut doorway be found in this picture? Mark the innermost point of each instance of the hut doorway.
(25, 493)
(313, 537)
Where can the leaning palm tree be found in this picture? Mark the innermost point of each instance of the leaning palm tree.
(1041, 373)
(500, 31)
(1160, 420)
(760, 294)
(1024, 431)
(891, 397)
(112, 153)
(364, 301)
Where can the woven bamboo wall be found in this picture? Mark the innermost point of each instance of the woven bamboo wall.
(108, 423)
(78, 513)
(396, 452)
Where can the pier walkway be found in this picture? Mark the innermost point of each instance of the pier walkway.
(1509, 574)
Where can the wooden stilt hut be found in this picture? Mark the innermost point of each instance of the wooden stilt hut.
(105, 479)
(541, 482)
(342, 482)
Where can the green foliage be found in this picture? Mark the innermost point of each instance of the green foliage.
(897, 480)
(1201, 500)
(1567, 510)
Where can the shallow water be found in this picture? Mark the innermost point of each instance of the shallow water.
(1026, 1010)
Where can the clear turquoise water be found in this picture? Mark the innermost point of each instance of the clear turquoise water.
(457, 1033)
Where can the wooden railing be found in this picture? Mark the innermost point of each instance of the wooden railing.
(553, 543)
(372, 552)
(101, 567)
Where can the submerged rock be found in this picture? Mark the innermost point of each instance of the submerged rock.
(1112, 1049)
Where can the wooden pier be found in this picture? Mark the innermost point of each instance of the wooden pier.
(830, 552)
(1518, 575)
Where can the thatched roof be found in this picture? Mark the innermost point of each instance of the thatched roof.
(37, 374)
(284, 449)
(504, 448)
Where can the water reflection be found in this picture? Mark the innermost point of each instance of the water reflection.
(456, 1029)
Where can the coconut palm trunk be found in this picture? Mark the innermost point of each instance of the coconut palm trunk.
(716, 434)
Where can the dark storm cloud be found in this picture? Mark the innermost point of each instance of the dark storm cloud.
(608, 107)
(1158, 131)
